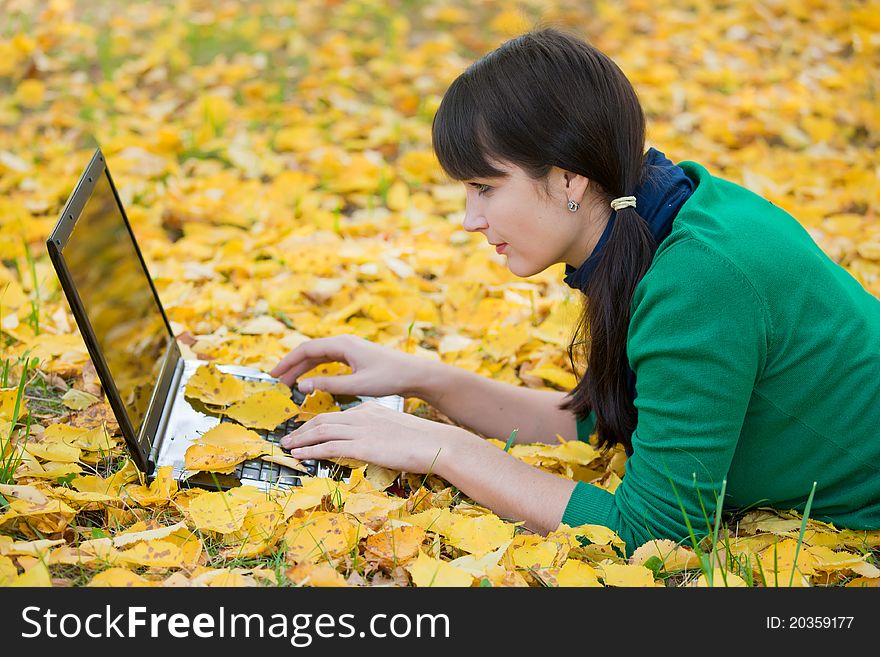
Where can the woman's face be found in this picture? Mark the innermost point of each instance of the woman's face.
(531, 218)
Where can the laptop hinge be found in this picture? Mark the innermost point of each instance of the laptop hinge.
(169, 396)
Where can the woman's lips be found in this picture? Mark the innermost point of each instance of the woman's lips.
(500, 247)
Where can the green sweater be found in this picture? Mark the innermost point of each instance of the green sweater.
(757, 360)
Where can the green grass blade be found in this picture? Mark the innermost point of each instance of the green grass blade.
(803, 529)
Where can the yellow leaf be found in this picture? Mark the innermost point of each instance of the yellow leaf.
(535, 556)
(30, 92)
(594, 533)
(62, 433)
(38, 548)
(253, 387)
(557, 326)
(59, 452)
(673, 555)
(129, 537)
(84, 499)
(159, 553)
(262, 325)
(397, 196)
(509, 22)
(380, 478)
(227, 579)
(109, 486)
(78, 399)
(502, 343)
(432, 520)
(478, 535)
(218, 511)
(310, 494)
(320, 536)
(315, 403)
(317, 575)
(160, 491)
(237, 439)
(23, 492)
(369, 507)
(858, 582)
(576, 573)
(211, 386)
(624, 575)
(92, 440)
(427, 571)
(828, 560)
(211, 458)
(88, 553)
(7, 404)
(263, 410)
(486, 565)
(118, 577)
(720, 579)
(778, 563)
(8, 571)
(420, 165)
(36, 575)
(53, 470)
(287, 461)
(262, 527)
(394, 546)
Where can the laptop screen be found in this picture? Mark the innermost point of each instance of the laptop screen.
(118, 298)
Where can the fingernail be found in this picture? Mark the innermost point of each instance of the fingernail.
(305, 386)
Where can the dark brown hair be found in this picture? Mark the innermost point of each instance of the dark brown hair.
(543, 99)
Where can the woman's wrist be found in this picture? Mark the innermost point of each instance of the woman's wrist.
(496, 480)
(426, 379)
(453, 452)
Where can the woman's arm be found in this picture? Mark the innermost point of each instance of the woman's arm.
(493, 408)
(492, 477)
(510, 488)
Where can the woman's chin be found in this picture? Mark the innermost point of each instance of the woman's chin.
(522, 269)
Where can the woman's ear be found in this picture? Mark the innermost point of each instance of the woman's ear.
(575, 186)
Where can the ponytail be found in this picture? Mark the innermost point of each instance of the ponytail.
(605, 319)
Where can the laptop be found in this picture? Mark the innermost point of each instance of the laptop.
(125, 328)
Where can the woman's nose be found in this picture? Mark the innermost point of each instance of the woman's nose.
(473, 219)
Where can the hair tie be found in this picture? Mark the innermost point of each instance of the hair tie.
(624, 202)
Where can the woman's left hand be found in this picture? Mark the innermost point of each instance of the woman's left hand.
(376, 434)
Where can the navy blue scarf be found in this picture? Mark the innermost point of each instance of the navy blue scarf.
(658, 199)
(665, 189)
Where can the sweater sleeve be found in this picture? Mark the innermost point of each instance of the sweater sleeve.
(697, 343)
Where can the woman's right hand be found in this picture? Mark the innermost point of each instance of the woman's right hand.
(376, 370)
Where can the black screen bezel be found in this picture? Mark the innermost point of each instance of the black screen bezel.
(140, 440)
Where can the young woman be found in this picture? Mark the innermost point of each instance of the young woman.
(723, 344)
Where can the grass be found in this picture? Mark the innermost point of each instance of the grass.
(740, 565)
(10, 459)
(35, 298)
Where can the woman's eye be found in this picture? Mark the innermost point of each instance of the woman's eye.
(481, 188)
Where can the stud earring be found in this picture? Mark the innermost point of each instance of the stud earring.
(573, 206)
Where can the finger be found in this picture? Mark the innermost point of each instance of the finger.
(338, 384)
(293, 372)
(313, 433)
(329, 450)
(308, 355)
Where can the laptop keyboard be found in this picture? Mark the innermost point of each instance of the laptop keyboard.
(260, 470)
